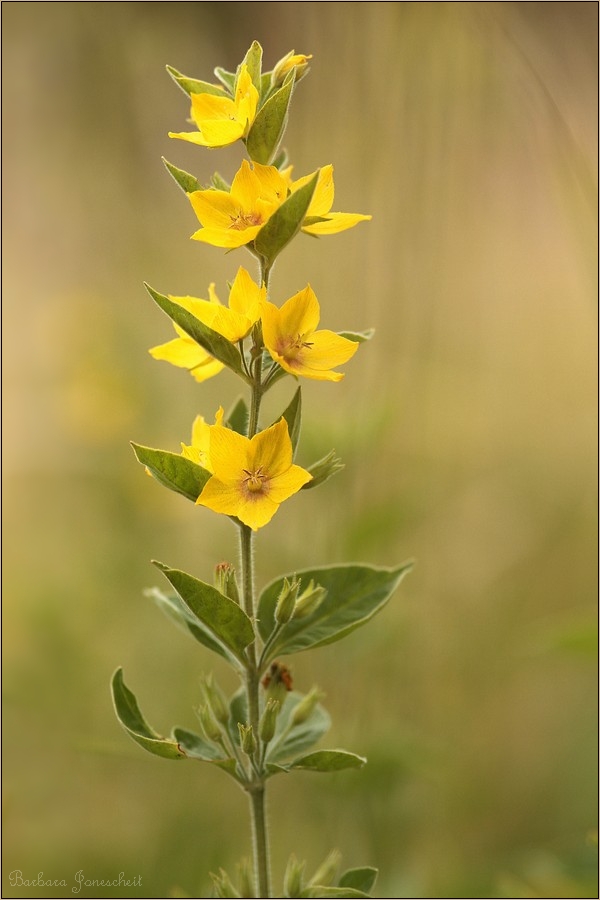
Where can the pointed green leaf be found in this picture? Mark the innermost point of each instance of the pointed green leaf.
(253, 61)
(226, 78)
(285, 221)
(289, 741)
(237, 417)
(193, 86)
(293, 416)
(219, 183)
(225, 621)
(270, 123)
(173, 606)
(197, 748)
(173, 471)
(322, 470)
(328, 761)
(354, 594)
(361, 879)
(186, 182)
(213, 342)
(132, 720)
(358, 336)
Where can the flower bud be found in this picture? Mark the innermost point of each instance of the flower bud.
(247, 739)
(287, 601)
(215, 699)
(327, 871)
(223, 885)
(291, 60)
(225, 581)
(305, 708)
(277, 682)
(210, 725)
(268, 721)
(293, 880)
(309, 600)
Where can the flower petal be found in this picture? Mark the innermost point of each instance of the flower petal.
(271, 450)
(182, 352)
(300, 314)
(288, 483)
(229, 454)
(336, 222)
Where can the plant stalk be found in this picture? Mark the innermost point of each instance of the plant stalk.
(256, 790)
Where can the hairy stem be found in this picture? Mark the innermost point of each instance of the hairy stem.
(256, 790)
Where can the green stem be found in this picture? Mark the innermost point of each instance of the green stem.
(256, 789)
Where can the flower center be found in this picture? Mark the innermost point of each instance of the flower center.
(254, 482)
(245, 220)
(292, 348)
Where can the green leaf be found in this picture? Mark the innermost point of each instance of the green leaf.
(173, 606)
(132, 720)
(300, 737)
(225, 621)
(213, 342)
(329, 761)
(270, 123)
(197, 748)
(237, 417)
(188, 183)
(253, 61)
(323, 891)
(358, 336)
(285, 221)
(323, 469)
(193, 86)
(354, 594)
(173, 471)
(226, 78)
(281, 160)
(219, 183)
(293, 416)
(361, 879)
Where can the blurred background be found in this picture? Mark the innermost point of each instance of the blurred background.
(468, 428)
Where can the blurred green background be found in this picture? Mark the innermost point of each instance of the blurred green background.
(468, 428)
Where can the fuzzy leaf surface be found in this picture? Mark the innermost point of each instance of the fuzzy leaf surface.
(328, 761)
(225, 621)
(175, 609)
(354, 594)
(269, 125)
(173, 471)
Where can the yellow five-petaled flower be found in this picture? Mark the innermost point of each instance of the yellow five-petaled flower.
(291, 338)
(252, 477)
(222, 120)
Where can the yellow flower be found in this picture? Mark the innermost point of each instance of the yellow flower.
(291, 338)
(198, 451)
(251, 476)
(234, 218)
(321, 203)
(183, 351)
(222, 120)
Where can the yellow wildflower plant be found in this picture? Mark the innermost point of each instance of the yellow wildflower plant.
(291, 338)
(252, 477)
(222, 120)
